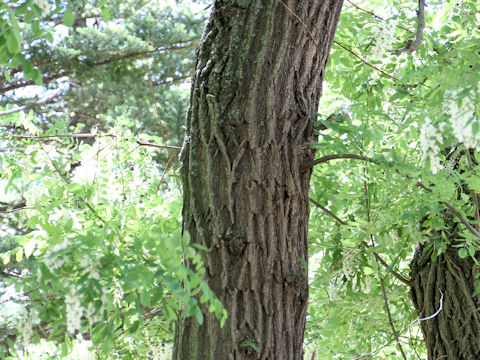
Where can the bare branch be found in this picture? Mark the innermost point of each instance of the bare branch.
(35, 103)
(42, 137)
(8, 208)
(387, 308)
(367, 63)
(328, 212)
(311, 163)
(413, 45)
(171, 147)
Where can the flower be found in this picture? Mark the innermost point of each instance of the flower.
(384, 36)
(460, 114)
(430, 137)
(43, 5)
(74, 310)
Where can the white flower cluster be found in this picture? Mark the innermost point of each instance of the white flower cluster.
(430, 137)
(25, 325)
(80, 350)
(74, 310)
(367, 284)
(460, 115)
(43, 5)
(384, 36)
(350, 265)
(117, 292)
(91, 266)
(93, 314)
(52, 260)
(161, 351)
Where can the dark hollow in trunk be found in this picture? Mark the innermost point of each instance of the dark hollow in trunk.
(252, 109)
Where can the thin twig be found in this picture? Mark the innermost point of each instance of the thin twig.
(413, 45)
(389, 268)
(146, 143)
(375, 254)
(387, 308)
(368, 64)
(41, 137)
(57, 169)
(345, 256)
(328, 212)
(139, 142)
(337, 43)
(311, 163)
(375, 15)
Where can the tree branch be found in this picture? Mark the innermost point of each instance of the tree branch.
(328, 212)
(387, 308)
(339, 44)
(375, 15)
(8, 208)
(375, 254)
(171, 147)
(311, 163)
(413, 45)
(35, 103)
(454, 211)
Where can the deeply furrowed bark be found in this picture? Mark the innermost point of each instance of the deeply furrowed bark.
(455, 332)
(254, 97)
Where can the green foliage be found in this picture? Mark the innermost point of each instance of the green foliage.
(92, 252)
(384, 211)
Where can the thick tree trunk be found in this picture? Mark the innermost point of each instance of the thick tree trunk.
(455, 332)
(250, 123)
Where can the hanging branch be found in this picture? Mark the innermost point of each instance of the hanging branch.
(413, 45)
(387, 308)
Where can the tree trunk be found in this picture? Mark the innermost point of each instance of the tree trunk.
(455, 332)
(252, 109)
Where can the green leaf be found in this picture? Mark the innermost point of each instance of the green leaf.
(37, 76)
(463, 253)
(7, 75)
(12, 44)
(68, 18)
(106, 14)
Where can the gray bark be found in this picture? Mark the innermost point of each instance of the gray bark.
(254, 97)
(455, 332)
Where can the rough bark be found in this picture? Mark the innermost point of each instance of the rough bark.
(455, 332)
(254, 97)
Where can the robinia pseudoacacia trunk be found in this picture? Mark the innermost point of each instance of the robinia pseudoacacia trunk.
(254, 97)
